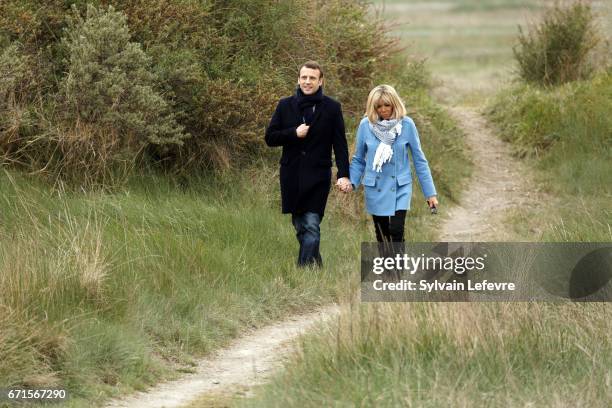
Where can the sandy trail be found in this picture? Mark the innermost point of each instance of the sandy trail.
(247, 362)
(498, 184)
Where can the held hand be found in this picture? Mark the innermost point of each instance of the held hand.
(344, 184)
(347, 188)
(340, 185)
(302, 130)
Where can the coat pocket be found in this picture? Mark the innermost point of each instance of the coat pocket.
(369, 180)
(404, 179)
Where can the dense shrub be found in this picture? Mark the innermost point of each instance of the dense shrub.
(32, 24)
(557, 50)
(194, 81)
(13, 72)
(18, 86)
(109, 82)
(100, 116)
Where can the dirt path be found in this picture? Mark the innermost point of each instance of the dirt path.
(499, 183)
(249, 361)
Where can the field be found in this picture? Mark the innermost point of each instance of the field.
(494, 355)
(108, 290)
(468, 44)
(110, 285)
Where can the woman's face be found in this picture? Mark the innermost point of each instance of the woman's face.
(384, 110)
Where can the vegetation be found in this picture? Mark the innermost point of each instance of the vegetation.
(557, 49)
(203, 76)
(475, 5)
(109, 84)
(106, 290)
(468, 65)
(566, 134)
(564, 129)
(498, 354)
(431, 355)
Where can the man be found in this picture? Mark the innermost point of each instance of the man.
(307, 125)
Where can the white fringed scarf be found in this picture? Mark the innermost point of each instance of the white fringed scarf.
(386, 131)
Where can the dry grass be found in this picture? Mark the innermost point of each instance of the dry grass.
(457, 354)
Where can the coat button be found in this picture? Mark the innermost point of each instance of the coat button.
(392, 177)
(393, 189)
(379, 190)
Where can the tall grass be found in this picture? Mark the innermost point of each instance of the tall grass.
(565, 133)
(461, 355)
(104, 289)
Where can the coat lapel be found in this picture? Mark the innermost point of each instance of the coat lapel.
(296, 108)
(318, 110)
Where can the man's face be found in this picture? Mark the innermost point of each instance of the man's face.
(309, 80)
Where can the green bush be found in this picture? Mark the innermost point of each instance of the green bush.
(557, 50)
(102, 114)
(18, 87)
(13, 73)
(193, 83)
(109, 82)
(31, 24)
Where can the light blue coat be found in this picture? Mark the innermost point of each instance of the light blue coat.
(390, 190)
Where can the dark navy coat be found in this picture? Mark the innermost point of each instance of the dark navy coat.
(305, 164)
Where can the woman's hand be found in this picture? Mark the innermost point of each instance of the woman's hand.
(344, 184)
(432, 201)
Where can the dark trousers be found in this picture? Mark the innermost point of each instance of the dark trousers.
(390, 229)
(308, 234)
(390, 237)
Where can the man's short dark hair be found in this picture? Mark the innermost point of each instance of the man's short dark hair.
(313, 65)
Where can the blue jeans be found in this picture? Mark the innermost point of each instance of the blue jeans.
(308, 234)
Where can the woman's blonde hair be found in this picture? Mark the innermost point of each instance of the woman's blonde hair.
(384, 94)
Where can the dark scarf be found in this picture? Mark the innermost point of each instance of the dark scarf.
(307, 102)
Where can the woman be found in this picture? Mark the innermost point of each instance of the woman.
(382, 165)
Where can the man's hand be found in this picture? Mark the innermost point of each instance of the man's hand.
(302, 130)
(344, 184)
